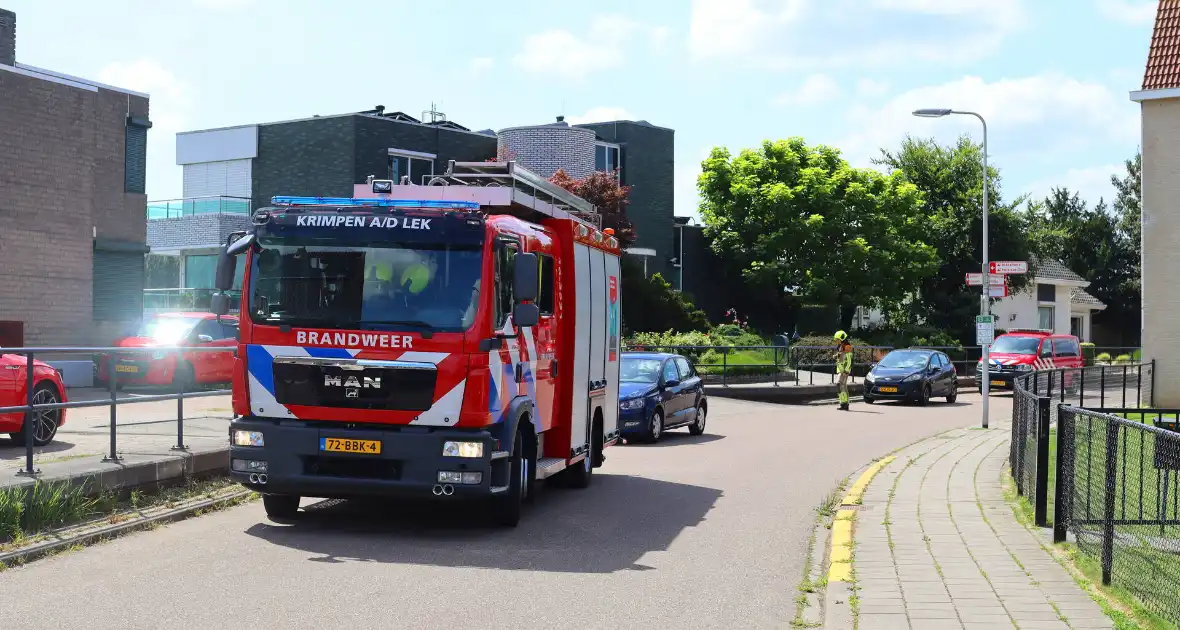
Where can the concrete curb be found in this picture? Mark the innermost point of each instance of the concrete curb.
(86, 533)
(134, 471)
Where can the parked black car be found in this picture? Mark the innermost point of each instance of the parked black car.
(912, 374)
(657, 392)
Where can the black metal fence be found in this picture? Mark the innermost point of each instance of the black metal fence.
(37, 413)
(1118, 493)
(802, 365)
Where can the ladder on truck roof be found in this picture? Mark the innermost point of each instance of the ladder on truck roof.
(520, 191)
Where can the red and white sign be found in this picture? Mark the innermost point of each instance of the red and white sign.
(1008, 266)
(976, 279)
(998, 292)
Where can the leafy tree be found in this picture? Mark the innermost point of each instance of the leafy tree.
(609, 196)
(951, 180)
(1128, 205)
(801, 218)
(652, 305)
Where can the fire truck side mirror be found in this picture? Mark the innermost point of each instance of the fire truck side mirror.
(219, 304)
(227, 263)
(525, 315)
(526, 278)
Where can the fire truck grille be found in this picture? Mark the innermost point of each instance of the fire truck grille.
(391, 388)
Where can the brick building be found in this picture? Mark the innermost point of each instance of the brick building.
(72, 236)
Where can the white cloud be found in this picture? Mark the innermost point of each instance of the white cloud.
(1135, 12)
(815, 89)
(687, 199)
(479, 65)
(1043, 114)
(871, 88)
(795, 34)
(1091, 183)
(170, 104)
(600, 114)
(561, 53)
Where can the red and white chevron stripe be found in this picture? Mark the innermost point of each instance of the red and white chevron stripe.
(1043, 364)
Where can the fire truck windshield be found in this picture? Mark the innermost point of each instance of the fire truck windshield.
(383, 287)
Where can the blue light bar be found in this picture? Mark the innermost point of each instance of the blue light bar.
(374, 203)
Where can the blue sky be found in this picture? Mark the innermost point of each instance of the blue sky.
(1051, 76)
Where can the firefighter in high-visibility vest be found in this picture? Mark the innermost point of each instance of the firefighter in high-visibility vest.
(843, 365)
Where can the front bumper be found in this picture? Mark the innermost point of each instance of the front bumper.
(147, 370)
(634, 421)
(903, 390)
(1003, 380)
(408, 465)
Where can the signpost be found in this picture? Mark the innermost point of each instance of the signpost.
(976, 279)
(997, 292)
(1008, 267)
(985, 330)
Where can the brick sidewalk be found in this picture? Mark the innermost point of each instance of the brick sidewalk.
(937, 546)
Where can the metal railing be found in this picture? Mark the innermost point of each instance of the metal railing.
(802, 365)
(166, 300)
(30, 409)
(192, 206)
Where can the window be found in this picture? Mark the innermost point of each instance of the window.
(670, 372)
(1045, 314)
(686, 371)
(1047, 348)
(1046, 293)
(229, 329)
(936, 361)
(200, 271)
(606, 157)
(135, 154)
(417, 166)
(505, 255)
(1076, 327)
(1065, 347)
(546, 301)
(211, 328)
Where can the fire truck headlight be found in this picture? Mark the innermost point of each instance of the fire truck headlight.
(248, 438)
(463, 449)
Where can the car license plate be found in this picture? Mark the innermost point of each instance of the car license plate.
(1001, 383)
(340, 445)
(130, 369)
(889, 390)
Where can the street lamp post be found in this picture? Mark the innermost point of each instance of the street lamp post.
(985, 297)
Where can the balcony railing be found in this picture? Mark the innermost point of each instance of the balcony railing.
(192, 206)
(180, 300)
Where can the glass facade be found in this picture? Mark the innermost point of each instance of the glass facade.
(176, 208)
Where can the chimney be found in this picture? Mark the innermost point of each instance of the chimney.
(561, 119)
(7, 37)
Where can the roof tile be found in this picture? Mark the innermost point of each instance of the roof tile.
(1054, 270)
(1163, 60)
(1078, 296)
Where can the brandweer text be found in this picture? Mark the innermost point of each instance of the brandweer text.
(368, 340)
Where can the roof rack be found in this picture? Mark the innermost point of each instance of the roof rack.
(1045, 331)
(503, 184)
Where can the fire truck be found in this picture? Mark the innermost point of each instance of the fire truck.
(455, 339)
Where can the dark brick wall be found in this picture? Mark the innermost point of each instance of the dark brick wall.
(61, 183)
(7, 37)
(327, 156)
(648, 168)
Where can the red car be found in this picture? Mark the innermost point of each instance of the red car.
(1020, 351)
(164, 331)
(48, 389)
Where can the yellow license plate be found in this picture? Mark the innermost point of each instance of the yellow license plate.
(340, 445)
(126, 368)
(1001, 383)
(890, 390)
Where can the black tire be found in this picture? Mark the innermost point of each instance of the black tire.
(655, 426)
(954, 395)
(924, 395)
(698, 426)
(506, 508)
(869, 400)
(45, 422)
(582, 473)
(185, 376)
(281, 507)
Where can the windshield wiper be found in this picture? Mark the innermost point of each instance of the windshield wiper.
(427, 328)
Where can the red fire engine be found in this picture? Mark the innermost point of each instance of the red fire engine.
(457, 339)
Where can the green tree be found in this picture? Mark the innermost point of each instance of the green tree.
(801, 218)
(1128, 205)
(951, 180)
(652, 305)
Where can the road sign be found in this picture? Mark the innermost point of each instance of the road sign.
(998, 292)
(983, 319)
(976, 279)
(985, 332)
(1008, 266)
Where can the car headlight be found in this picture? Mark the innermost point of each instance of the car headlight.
(631, 403)
(249, 438)
(913, 377)
(869, 378)
(463, 449)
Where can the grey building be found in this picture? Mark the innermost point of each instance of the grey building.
(73, 156)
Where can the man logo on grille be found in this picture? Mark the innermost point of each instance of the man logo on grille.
(373, 382)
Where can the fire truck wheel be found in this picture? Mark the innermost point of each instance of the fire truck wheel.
(581, 474)
(280, 507)
(506, 508)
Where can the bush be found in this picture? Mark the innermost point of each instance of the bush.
(1122, 359)
(1103, 357)
(738, 363)
(812, 352)
(1088, 350)
(651, 304)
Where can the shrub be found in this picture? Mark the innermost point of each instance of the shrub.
(1088, 351)
(738, 363)
(816, 353)
(1122, 359)
(1103, 357)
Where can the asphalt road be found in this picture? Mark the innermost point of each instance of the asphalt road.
(706, 532)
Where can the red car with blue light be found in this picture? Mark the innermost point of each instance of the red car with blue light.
(454, 342)
(164, 365)
(48, 389)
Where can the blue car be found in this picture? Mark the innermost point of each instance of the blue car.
(912, 374)
(657, 392)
